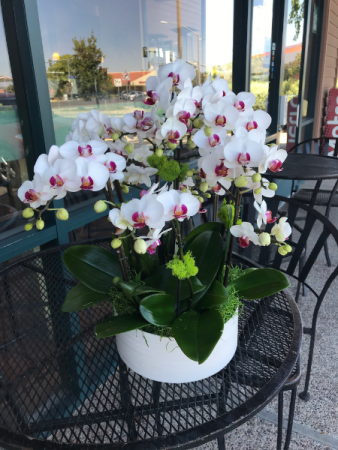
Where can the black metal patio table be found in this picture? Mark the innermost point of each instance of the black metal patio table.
(60, 387)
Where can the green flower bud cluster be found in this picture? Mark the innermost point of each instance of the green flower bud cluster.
(183, 269)
(183, 172)
(284, 249)
(223, 214)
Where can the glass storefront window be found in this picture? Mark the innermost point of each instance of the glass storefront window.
(13, 170)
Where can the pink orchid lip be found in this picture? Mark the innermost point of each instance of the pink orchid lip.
(221, 170)
(138, 115)
(173, 136)
(224, 93)
(214, 140)
(108, 129)
(111, 166)
(85, 150)
(87, 183)
(202, 174)
(56, 181)
(175, 77)
(220, 121)
(146, 124)
(143, 192)
(180, 211)
(139, 219)
(184, 116)
(275, 166)
(31, 195)
(202, 211)
(216, 188)
(152, 248)
(251, 126)
(244, 241)
(149, 101)
(269, 218)
(243, 158)
(240, 106)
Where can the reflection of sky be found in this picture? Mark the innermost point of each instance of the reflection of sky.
(5, 69)
(219, 32)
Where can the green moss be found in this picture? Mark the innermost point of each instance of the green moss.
(183, 172)
(156, 162)
(183, 269)
(170, 170)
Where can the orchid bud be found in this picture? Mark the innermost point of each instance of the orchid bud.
(190, 144)
(190, 173)
(207, 195)
(40, 224)
(200, 199)
(125, 189)
(171, 145)
(282, 251)
(288, 248)
(207, 131)
(257, 191)
(27, 213)
(256, 178)
(241, 181)
(204, 186)
(184, 190)
(115, 136)
(116, 280)
(194, 192)
(198, 123)
(116, 243)
(129, 148)
(159, 152)
(62, 214)
(264, 239)
(273, 186)
(100, 206)
(140, 246)
(28, 226)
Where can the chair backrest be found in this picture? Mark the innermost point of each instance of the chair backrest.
(310, 231)
(320, 146)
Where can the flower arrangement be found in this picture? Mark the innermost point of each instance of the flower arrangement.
(186, 288)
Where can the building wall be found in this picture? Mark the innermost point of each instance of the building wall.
(328, 71)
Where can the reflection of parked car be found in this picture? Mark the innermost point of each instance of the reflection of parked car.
(131, 95)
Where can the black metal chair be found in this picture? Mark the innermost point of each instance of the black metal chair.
(317, 196)
(308, 245)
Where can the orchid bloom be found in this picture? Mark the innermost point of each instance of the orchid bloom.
(216, 170)
(281, 230)
(93, 175)
(264, 191)
(220, 84)
(117, 124)
(138, 122)
(119, 221)
(115, 164)
(44, 161)
(178, 205)
(245, 233)
(173, 130)
(217, 189)
(158, 91)
(274, 160)
(91, 150)
(243, 152)
(141, 154)
(62, 177)
(179, 71)
(140, 175)
(146, 211)
(220, 114)
(80, 132)
(99, 125)
(35, 192)
(244, 102)
(118, 148)
(153, 239)
(258, 120)
(264, 216)
(206, 144)
(184, 110)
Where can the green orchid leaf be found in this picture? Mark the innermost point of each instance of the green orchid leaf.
(210, 226)
(93, 266)
(143, 289)
(250, 269)
(197, 333)
(260, 283)
(217, 295)
(207, 249)
(81, 297)
(119, 324)
(159, 309)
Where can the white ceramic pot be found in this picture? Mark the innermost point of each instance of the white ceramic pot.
(161, 359)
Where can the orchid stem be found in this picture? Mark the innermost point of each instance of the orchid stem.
(118, 191)
(46, 207)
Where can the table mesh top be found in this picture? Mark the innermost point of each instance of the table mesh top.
(60, 384)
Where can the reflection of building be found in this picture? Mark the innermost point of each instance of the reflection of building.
(136, 78)
(290, 53)
(5, 82)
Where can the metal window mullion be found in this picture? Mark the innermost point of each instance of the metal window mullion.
(241, 45)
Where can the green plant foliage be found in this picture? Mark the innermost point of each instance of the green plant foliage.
(119, 324)
(217, 295)
(159, 309)
(259, 283)
(93, 266)
(169, 171)
(197, 333)
(210, 226)
(156, 162)
(183, 172)
(183, 269)
(81, 297)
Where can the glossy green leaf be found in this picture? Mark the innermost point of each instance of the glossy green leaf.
(159, 309)
(119, 324)
(143, 289)
(207, 249)
(81, 297)
(197, 333)
(216, 295)
(260, 283)
(93, 266)
(250, 269)
(210, 226)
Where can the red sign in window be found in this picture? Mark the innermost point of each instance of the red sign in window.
(291, 123)
(331, 122)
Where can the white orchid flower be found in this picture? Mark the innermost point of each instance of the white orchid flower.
(220, 84)
(80, 133)
(191, 93)
(244, 102)
(141, 154)
(117, 124)
(178, 71)
(281, 230)
(184, 109)
(35, 192)
(93, 175)
(215, 169)
(115, 164)
(274, 160)
(153, 239)
(119, 221)
(173, 130)
(178, 205)
(258, 120)
(62, 177)
(243, 152)
(147, 211)
(220, 114)
(206, 144)
(118, 148)
(45, 161)
(187, 182)
(138, 122)
(264, 216)
(217, 189)
(158, 91)
(91, 150)
(140, 175)
(98, 125)
(245, 233)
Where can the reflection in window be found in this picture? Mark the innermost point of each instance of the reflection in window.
(13, 170)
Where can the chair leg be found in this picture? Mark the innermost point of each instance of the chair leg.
(305, 394)
(280, 420)
(221, 442)
(290, 419)
(327, 256)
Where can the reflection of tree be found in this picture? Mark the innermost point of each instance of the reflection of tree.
(291, 76)
(58, 74)
(296, 15)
